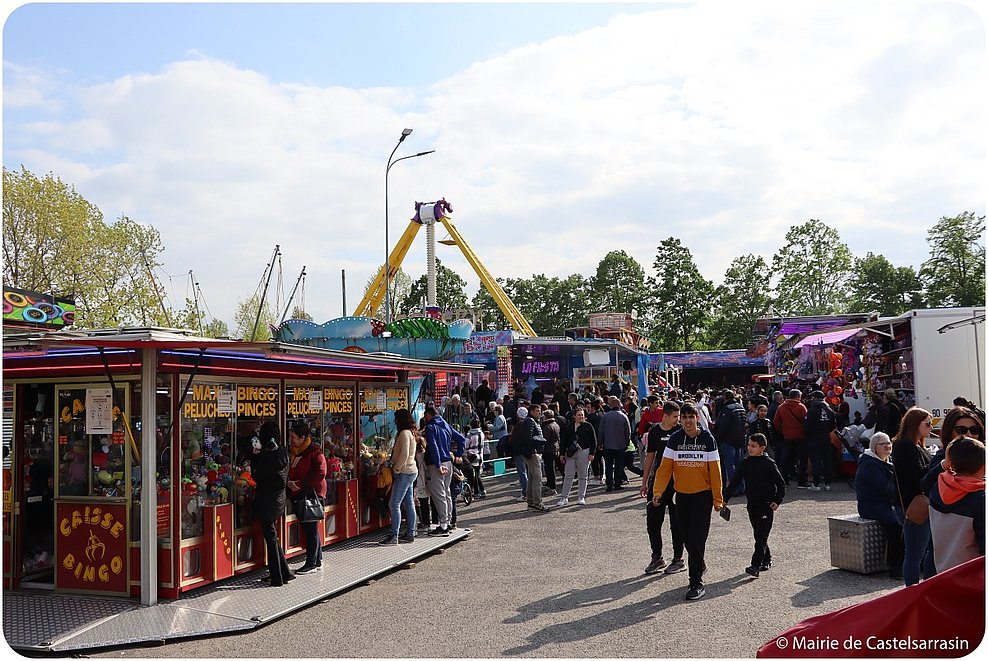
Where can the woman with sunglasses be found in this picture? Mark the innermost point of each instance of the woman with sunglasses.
(911, 461)
(960, 421)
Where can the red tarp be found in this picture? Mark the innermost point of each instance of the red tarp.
(940, 617)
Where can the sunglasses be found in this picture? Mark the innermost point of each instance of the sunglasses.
(962, 430)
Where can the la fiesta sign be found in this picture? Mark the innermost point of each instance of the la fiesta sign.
(91, 547)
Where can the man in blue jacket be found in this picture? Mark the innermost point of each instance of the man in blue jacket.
(439, 466)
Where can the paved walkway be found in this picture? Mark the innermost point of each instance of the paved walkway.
(568, 584)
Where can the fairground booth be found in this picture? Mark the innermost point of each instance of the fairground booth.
(127, 452)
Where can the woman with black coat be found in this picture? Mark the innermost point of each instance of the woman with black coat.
(577, 448)
(269, 467)
(874, 484)
(911, 461)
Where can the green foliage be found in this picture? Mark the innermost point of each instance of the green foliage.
(450, 294)
(400, 285)
(245, 316)
(955, 273)
(739, 301)
(813, 269)
(682, 299)
(550, 304)
(878, 286)
(489, 315)
(56, 242)
(190, 318)
(620, 285)
(299, 313)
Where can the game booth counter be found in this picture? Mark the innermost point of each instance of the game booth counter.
(95, 422)
(928, 357)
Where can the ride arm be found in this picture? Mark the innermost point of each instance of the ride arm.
(371, 302)
(513, 315)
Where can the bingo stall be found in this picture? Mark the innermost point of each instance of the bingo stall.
(127, 453)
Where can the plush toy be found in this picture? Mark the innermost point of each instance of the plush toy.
(246, 477)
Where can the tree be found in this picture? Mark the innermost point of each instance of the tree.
(620, 285)
(550, 304)
(191, 318)
(878, 286)
(56, 242)
(246, 314)
(400, 284)
(682, 298)
(299, 313)
(813, 269)
(450, 294)
(489, 315)
(954, 274)
(739, 301)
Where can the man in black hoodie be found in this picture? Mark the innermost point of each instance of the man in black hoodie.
(730, 434)
(820, 421)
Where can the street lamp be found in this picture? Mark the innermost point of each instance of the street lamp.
(387, 250)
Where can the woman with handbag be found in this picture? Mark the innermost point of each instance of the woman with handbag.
(911, 461)
(578, 445)
(307, 481)
(404, 472)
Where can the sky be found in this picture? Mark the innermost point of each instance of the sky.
(561, 131)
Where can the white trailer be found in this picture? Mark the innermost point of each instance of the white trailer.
(935, 355)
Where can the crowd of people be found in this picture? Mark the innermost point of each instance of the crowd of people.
(697, 452)
(693, 453)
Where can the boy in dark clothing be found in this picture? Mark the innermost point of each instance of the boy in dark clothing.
(765, 489)
(763, 425)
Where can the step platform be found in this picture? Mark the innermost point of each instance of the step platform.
(50, 622)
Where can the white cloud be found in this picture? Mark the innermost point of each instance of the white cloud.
(722, 124)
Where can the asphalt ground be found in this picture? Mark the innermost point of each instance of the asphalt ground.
(570, 584)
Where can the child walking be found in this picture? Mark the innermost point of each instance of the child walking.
(765, 488)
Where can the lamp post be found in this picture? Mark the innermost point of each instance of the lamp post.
(387, 249)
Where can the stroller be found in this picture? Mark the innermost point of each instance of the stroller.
(460, 488)
(850, 438)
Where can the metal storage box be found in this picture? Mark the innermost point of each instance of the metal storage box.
(857, 544)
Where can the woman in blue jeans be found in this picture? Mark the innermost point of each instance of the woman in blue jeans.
(405, 471)
(911, 461)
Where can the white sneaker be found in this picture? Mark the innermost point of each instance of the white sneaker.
(563, 502)
(581, 502)
(813, 487)
(826, 487)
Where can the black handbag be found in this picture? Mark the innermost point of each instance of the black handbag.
(308, 507)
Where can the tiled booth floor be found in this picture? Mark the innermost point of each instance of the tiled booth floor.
(51, 622)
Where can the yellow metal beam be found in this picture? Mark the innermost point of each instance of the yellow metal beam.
(371, 302)
(512, 313)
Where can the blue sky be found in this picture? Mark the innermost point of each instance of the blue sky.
(562, 130)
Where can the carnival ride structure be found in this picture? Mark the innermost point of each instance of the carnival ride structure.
(429, 214)
(412, 337)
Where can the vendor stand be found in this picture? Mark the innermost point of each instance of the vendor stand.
(102, 419)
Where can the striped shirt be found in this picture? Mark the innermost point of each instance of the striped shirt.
(693, 463)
